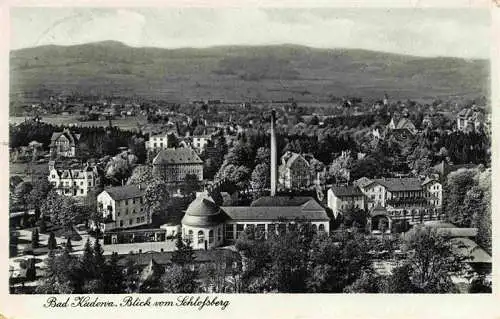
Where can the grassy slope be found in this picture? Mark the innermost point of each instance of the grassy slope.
(235, 73)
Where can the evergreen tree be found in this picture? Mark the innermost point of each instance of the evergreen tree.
(35, 239)
(183, 254)
(69, 246)
(113, 278)
(52, 243)
(87, 261)
(42, 225)
(99, 260)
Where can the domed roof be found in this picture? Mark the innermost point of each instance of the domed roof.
(202, 212)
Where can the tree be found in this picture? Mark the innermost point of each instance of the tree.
(42, 225)
(263, 155)
(61, 210)
(480, 285)
(69, 246)
(156, 197)
(52, 243)
(30, 270)
(13, 241)
(98, 260)
(260, 177)
(367, 283)
(179, 279)
(400, 280)
(183, 254)
(141, 174)
(191, 185)
(21, 193)
(113, 278)
(457, 185)
(87, 262)
(433, 260)
(35, 239)
(39, 193)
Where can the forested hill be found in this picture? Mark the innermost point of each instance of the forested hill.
(240, 73)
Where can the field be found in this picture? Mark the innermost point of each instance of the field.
(240, 73)
(20, 169)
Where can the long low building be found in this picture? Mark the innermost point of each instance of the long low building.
(207, 225)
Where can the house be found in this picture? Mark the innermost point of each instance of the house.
(172, 165)
(342, 198)
(470, 119)
(294, 171)
(200, 142)
(158, 142)
(434, 191)
(75, 180)
(401, 126)
(122, 207)
(64, 144)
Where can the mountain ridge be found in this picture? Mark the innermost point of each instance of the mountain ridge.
(241, 72)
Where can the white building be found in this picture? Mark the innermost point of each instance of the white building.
(74, 181)
(342, 198)
(161, 141)
(122, 207)
(200, 142)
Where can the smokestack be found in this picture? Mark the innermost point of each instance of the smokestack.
(274, 160)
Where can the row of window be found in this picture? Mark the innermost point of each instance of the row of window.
(130, 200)
(201, 236)
(271, 228)
(126, 211)
(131, 221)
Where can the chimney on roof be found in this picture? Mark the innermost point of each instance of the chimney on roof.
(274, 170)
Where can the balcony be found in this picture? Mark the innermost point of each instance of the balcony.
(408, 201)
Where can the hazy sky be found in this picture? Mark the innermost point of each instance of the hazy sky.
(426, 32)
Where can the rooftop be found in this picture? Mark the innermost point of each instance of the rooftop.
(340, 191)
(177, 156)
(125, 192)
(273, 213)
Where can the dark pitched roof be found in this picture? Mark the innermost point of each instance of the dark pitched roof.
(346, 191)
(400, 184)
(177, 156)
(125, 192)
(202, 212)
(273, 213)
(280, 201)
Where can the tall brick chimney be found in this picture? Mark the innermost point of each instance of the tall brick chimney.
(274, 151)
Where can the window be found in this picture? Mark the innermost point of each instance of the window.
(219, 234)
(90, 184)
(138, 220)
(121, 223)
(126, 202)
(81, 191)
(211, 236)
(271, 229)
(190, 236)
(314, 227)
(126, 211)
(321, 227)
(133, 201)
(81, 183)
(239, 230)
(201, 237)
(229, 231)
(130, 221)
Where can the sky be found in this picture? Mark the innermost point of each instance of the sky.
(463, 33)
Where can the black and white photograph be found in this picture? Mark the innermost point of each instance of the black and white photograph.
(258, 150)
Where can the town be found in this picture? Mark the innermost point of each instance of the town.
(345, 196)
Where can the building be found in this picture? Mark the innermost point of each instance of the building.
(207, 225)
(470, 119)
(342, 198)
(172, 165)
(75, 181)
(163, 141)
(401, 126)
(122, 207)
(434, 192)
(64, 144)
(200, 142)
(294, 171)
(407, 199)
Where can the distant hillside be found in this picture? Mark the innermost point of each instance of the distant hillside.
(240, 72)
